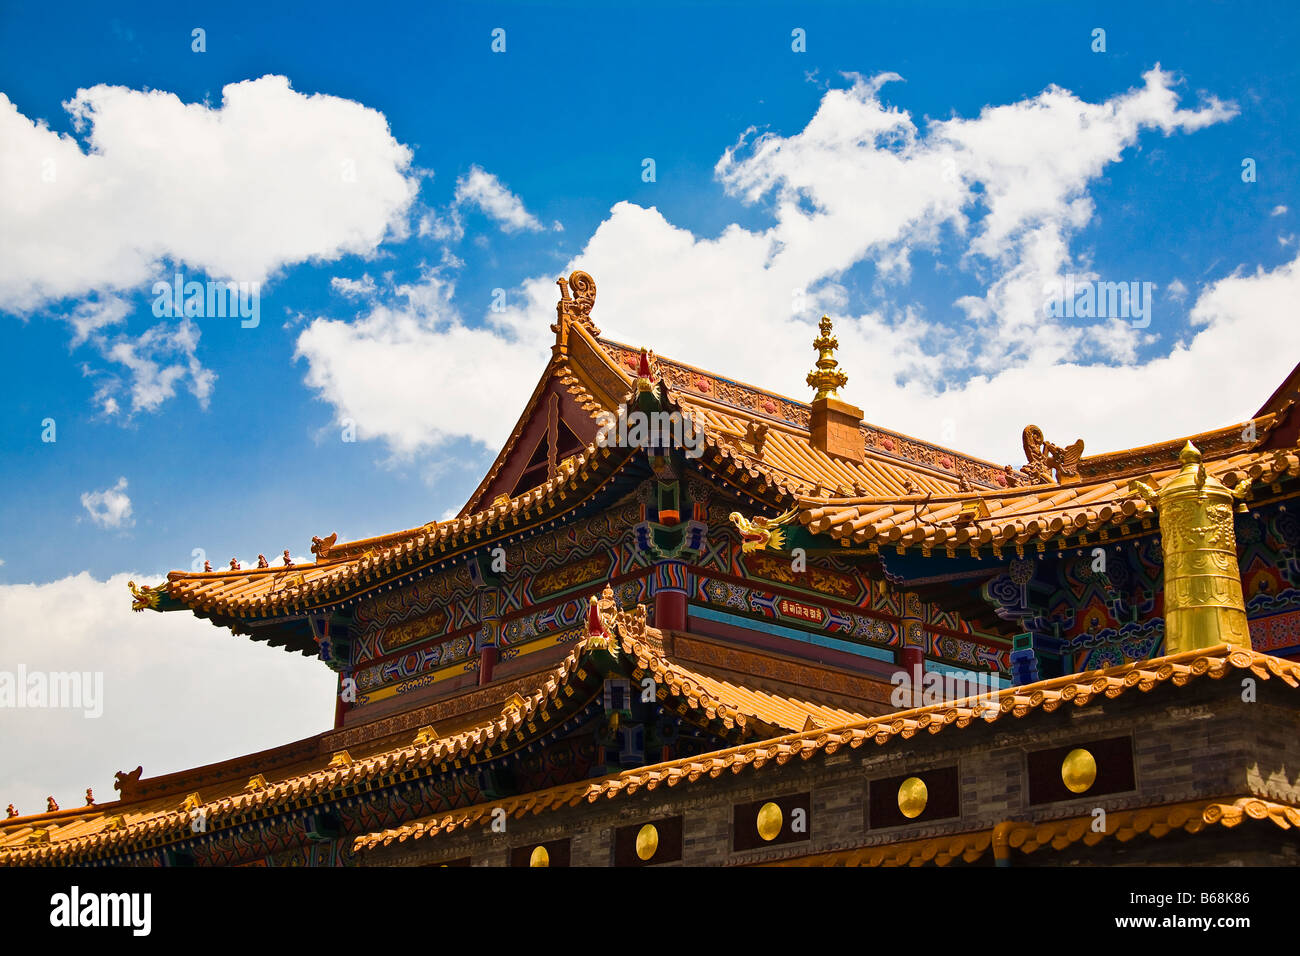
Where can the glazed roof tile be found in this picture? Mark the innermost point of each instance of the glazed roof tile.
(1077, 689)
(122, 827)
(351, 567)
(1022, 515)
(905, 492)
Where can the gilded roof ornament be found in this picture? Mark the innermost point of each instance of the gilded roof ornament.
(644, 382)
(576, 307)
(827, 377)
(126, 783)
(145, 596)
(596, 632)
(340, 759)
(1046, 458)
(759, 532)
(321, 546)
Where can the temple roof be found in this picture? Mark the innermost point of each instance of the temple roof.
(595, 372)
(354, 567)
(906, 491)
(298, 774)
(730, 409)
(1078, 690)
(1038, 513)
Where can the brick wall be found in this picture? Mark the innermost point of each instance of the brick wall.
(1200, 741)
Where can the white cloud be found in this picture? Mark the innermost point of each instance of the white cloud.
(270, 178)
(1278, 211)
(110, 508)
(92, 315)
(1177, 290)
(354, 288)
(485, 191)
(449, 229)
(222, 696)
(414, 375)
(860, 184)
(156, 361)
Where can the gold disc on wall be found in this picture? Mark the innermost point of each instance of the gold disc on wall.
(770, 820)
(647, 841)
(1078, 770)
(912, 797)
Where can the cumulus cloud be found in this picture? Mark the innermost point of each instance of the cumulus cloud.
(485, 191)
(269, 178)
(93, 315)
(222, 695)
(479, 189)
(863, 185)
(411, 373)
(110, 508)
(157, 361)
(354, 288)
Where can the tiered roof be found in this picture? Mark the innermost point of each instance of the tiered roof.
(1078, 690)
(302, 774)
(906, 492)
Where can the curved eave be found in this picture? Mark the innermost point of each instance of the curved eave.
(1078, 690)
(625, 646)
(1020, 516)
(275, 592)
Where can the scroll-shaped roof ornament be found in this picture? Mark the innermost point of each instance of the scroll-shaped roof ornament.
(577, 298)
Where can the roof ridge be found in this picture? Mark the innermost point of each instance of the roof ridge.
(868, 426)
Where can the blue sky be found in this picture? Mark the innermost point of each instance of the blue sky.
(920, 211)
(564, 118)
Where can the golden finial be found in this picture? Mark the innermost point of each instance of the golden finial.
(827, 377)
